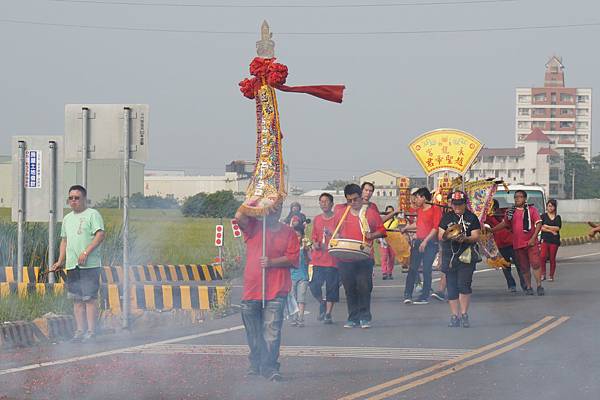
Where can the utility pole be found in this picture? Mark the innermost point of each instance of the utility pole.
(573, 185)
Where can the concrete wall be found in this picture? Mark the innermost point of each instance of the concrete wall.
(579, 210)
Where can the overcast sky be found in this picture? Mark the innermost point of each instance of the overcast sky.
(398, 85)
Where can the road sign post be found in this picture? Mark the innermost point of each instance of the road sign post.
(126, 155)
(37, 162)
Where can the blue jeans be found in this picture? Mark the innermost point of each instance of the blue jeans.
(416, 258)
(263, 332)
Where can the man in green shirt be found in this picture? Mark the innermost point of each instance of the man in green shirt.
(82, 234)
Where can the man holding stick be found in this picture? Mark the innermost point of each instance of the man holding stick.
(82, 234)
(263, 301)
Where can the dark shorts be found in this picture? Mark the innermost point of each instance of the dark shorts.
(459, 279)
(83, 283)
(331, 277)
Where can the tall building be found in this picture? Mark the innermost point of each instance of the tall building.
(564, 114)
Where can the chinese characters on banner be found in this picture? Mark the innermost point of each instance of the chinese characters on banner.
(445, 150)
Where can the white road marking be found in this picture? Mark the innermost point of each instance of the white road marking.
(579, 256)
(311, 351)
(117, 351)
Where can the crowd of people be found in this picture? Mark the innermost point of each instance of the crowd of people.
(524, 238)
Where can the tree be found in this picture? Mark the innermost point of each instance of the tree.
(587, 178)
(194, 206)
(219, 204)
(337, 185)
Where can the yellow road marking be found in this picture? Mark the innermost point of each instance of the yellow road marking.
(471, 362)
(444, 364)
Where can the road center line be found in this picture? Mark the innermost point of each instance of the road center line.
(470, 362)
(449, 363)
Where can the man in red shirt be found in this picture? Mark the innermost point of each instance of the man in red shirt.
(324, 265)
(424, 247)
(504, 241)
(357, 275)
(263, 325)
(525, 222)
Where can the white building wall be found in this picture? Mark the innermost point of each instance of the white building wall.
(181, 187)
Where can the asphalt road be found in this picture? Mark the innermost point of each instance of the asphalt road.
(518, 347)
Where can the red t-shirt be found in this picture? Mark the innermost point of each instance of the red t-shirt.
(520, 237)
(322, 258)
(427, 220)
(284, 242)
(351, 229)
(503, 237)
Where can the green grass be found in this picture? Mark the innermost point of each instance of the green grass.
(574, 229)
(157, 237)
(32, 306)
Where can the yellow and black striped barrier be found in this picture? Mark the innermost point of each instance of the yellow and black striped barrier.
(9, 274)
(154, 296)
(24, 289)
(164, 273)
(138, 273)
(165, 297)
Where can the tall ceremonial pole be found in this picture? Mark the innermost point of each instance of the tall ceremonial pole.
(266, 190)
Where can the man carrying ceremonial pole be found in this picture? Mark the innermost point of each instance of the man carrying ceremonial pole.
(272, 247)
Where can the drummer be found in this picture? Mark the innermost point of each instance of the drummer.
(459, 272)
(357, 275)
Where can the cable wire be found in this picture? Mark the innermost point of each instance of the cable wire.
(360, 5)
(300, 33)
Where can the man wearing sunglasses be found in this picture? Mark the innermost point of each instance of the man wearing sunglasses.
(82, 234)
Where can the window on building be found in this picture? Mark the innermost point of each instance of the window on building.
(582, 125)
(391, 182)
(523, 98)
(583, 98)
(539, 111)
(552, 126)
(383, 193)
(524, 111)
(538, 124)
(500, 159)
(488, 159)
(553, 98)
(391, 193)
(540, 97)
(565, 111)
(566, 98)
(524, 124)
(553, 190)
(566, 124)
(582, 112)
(554, 174)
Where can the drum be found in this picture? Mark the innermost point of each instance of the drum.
(349, 249)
